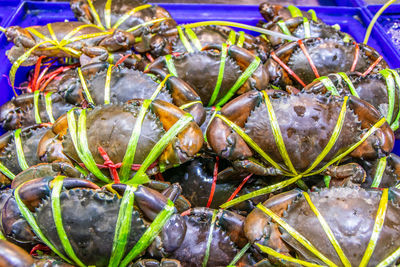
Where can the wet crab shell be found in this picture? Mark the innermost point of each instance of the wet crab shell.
(327, 55)
(273, 12)
(350, 213)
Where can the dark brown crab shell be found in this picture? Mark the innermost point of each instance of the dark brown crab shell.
(273, 12)
(194, 67)
(328, 56)
(350, 213)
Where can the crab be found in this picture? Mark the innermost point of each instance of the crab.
(248, 129)
(272, 12)
(379, 89)
(350, 213)
(118, 135)
(90, 215)
(202, 71)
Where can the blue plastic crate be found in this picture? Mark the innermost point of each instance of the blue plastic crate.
(352, 20)
(7, 9)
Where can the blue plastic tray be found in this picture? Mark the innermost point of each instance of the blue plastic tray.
(351, 20)
(7, 9)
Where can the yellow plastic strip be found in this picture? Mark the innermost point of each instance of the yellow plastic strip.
(95, 14)
(36, 96)
(49, 109)
(392, 258)
(86, 36)
(107, 14)
(170, 65)
(209, 122)
(209, 238)
(379, 221)
(64, 41)
(328, 231)
(39, 35)
(296, 235)
(391, 88)
(395, 124)
(335, 134)
(307, 30)
(107, 85)
(85, 88)
(52, 34)
(145, 24)
(328, 85)
(6, 172)
(250, 142)
(193, 37)
(380, 169)
(295, 11)
(277, 134)
(240, 41)
(184, 40)
(349, 83)
(20, 152)
(284, 258)
(231, 38)
(128, 14)
(191, 103)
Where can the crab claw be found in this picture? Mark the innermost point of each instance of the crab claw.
(10, 118)
(13, 255)
(259, 78)
(33, 191)
(182, 93)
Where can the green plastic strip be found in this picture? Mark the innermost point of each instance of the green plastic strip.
(327, 180)
(224, 52)
(307, 29)
(189, 104)
(379, 221)
(336, 26)
(251, 143)
(151, 233)
(2, 237)
(379, 172)
(240, 41)
(277, 134)
(140, 176)
(36, 96)
(107, 14)
(57, 217)
(294, 11)
(184, 40)
(49, 108)
(4, 170)
(240, 81)
(27, 214)
(209, 238)
(95, 14)
(260, 192)
(107, 85)
(85, 88)
(296, 235)
(134, 139)
(231, 38)
(240, 254)
(328, 231)
(395, 124)
(313, 15)
(193, 37)
(328, 85)
(123, 18)
(283, 27)
(285, 258)
(390, 84)
(129, 157)
(123, 226)
(78, 136)
(170, 65)
(346, 38)
(209, 122)
(348, 82)
(20, 152)
(392, 258)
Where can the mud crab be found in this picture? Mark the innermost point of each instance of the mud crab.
(147, 136)
(259, 130)
(382, 90)
(343, 214)
(299, 63)
(18, 150)
(228, 72)
(218, 234)
(272, 12)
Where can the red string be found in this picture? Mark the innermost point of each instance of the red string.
(122, 59)
(239, 187)
(36, 74)
(159, 177)
(357, 50)
(304, 49)
(186, 212)
(45, 80)
(149, 57)
(40, 247)
(372, 66)
(214, 182)
(288, 70)
(176, 54)
(110, 165)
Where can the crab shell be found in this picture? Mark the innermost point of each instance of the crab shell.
(24, 40)
(110, 126)
(126, 84)
(20, 112)
(200, 70)
(371, 88)
(328, 56)
(297, 29)
(272, 12)
(349, 212)
(306, 122)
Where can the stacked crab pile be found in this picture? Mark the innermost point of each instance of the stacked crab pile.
(157, 144)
